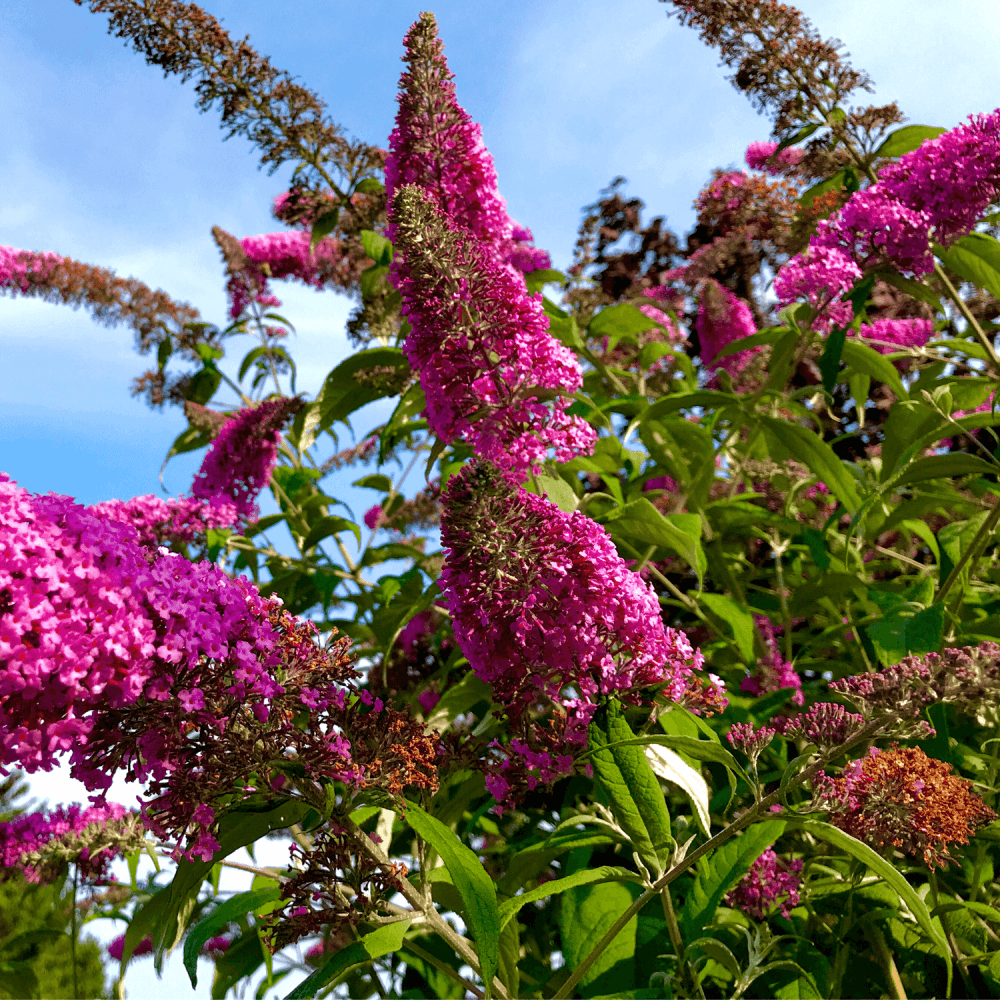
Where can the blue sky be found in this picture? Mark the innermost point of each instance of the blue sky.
(104, 160)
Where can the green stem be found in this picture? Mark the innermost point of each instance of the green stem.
(967, 314)
(884, 953)
(971, 553)
(743, 821)
(73, 934)
(430, 959)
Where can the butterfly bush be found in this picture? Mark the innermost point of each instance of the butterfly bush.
(761, 156)
(771, 880)
(283, 255)
(37, 845)
(936, 193)
(543, 607)
(481, 345)
(436, 146)
(773, 671)
(239, 462)
(176, 520)
(722, 320)
(892, 334)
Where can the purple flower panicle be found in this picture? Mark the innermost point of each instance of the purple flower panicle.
(492, 373)
(239, 462)
(771, 880)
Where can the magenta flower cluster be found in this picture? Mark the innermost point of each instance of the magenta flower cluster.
(722, 320)
(239, 463)
(771, 880)
(934, 194)
(281, 255)
(28, 841)
(174, 520)
(761, 156)
(482, 347)
(893, 334)
(436, 146)
(773, 672)
(543, 606)
(16, 265)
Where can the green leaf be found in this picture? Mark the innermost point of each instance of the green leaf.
(907, 139)
(605, 873)
(386, 940)
(615, 322)
(457, 700)
(346, 389)
(375, 482)
(829, 362)
(719, 872)
(899, 634)
(476, 888)
(369, 185)
(672, 767)
(703, 399)
(537, 280)
(377, 247)
(867, 361)
(329, 525)
(974, 258)
(885, 870)
(221, 917)
(534, 859)
(165, 916)
(627, 779)
(698, 749)
(323, 226)
(558, 491)
(640, 523)
(915, 289)
(907, 423)
(736, 617)
(586, 914)
(812, 451)
(834, 183)
(946, 467)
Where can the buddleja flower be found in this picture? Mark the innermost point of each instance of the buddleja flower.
(936, 193)
(176, 520)
(275, 713)
(545, 608)
(892, 334)
(821, 275)
(968, 678)
(37, 845)
(761, 156)
(902, 798)
(481, 345)
(824, 724)
(771, 879)
(239, 462)
(722, 320)
(254, 260)
(439, 148)
(773, 671)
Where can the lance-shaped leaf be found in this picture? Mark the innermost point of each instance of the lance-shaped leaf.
(605, 873)
(813, 452)
(476, 888)
(627, 779)
(719, 872)
(382, 941)
(886, 871)
(642, 525)
(218, 920)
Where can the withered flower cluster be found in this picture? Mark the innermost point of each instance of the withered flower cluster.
(905, 799)
(780, 62)
(335, 885)
(286, 121)
(225, 745)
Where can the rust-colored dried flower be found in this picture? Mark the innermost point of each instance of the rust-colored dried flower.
(905, 799)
